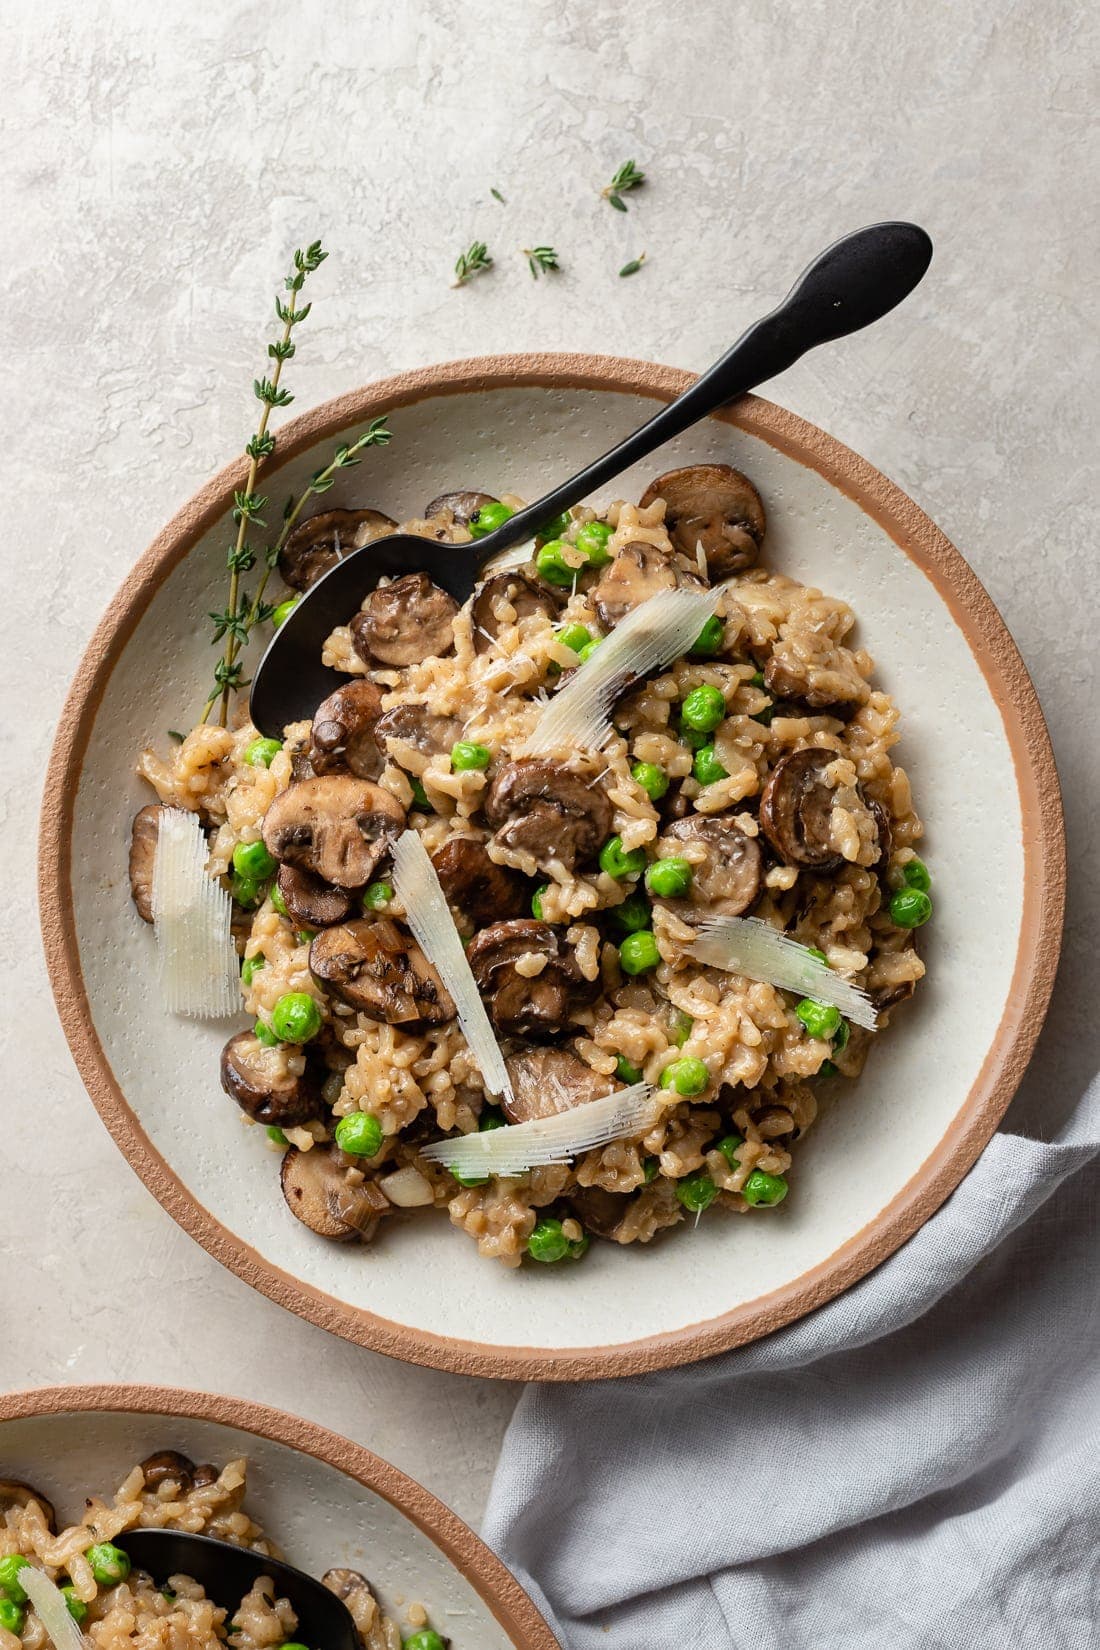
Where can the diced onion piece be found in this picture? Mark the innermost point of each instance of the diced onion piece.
(518, 1147)
(746, 945)
(192, 914)
(578, 717)
(51, 1609)
(427, 914)
(407, 1188)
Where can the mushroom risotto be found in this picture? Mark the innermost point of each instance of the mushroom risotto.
(119, 1607)
(749, 775)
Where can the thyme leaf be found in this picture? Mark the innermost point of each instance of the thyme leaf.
(541, 260)
(626, 178)
(497, 196)
(474, 261)
(633, 266)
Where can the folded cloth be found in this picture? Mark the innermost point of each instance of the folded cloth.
(916, 1464)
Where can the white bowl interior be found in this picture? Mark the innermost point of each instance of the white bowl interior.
(319, 1516)
(867, 1146)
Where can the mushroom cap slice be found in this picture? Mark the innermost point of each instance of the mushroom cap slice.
(542, 807)
(168, 1464)
(525, 593)
(14, 1493)
(541, 1005)
(546, 1081)
(425, 730)
(320, 1193)
(463, 505)
(311, 901)
(599, 1211)
(713, 505)
(336, 826)
(405, 621)
(143, 853)
(342, 736)
(481, 889)
(640, 570)
(796, 810)
(727, 866)
(258, 1078)
(375, 966)
(318, 543)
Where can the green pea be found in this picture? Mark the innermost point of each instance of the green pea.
(283, 611)
(359, 1134)
(467, 757)
(638, 953)
(276, 1136)
(910, 908)
(707, 768)
(827, 1069)
(764, 717)
(820, 1019)
(687, 1076)
(251, 859)
(574, 636)
(555, 529)
(469, 1179)
(764, 1188)
(75, 1606)
(669, 878)
(552, 566)
(490, 1119)
(274, 894)
(709, 640)
(619, 863)
(264, 1034)
(109, 1563)
(305, 936)
(291, 1644)
(696, 1191)
(593, 538)
(425, 1639)
(376, 895)
(246, 891)
(11, 1616)
(262, 752)
(652, 779)
(10, 1567)
(251, 967)
(703, 709)
(692, 738)
(841, 1035)
(627, 1070)
(728, 1146)
(536, 901)
(296, 1018)
(588, 649)
(915, 875)
(650, 1166)
(489, 518)
(679, 1026)
(757, 679)
(820, 955)
(420, 795)
(634, 913)
(548, 1242)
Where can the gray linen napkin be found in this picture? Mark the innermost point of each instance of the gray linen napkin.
(916, 1464)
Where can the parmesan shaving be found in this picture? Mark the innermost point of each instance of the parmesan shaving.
(51, 1609)
(556, 1139)
(746, 945)
(426, 912)
(192, 914)
(578, 717)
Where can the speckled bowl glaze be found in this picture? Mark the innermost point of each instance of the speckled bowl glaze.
(325, 1501)
(880, 1159)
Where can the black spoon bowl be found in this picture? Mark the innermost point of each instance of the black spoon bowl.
(854, 282)
(226, 1573)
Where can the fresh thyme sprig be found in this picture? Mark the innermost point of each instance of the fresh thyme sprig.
(472, 262)
(232, 624)
(626, 178)
(541, 260)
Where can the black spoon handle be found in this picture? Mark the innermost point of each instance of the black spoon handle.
(854, 282)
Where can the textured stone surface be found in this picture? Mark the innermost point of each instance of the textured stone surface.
(158, 165)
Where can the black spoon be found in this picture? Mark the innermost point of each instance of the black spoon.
(226, 1573)
(853, 282)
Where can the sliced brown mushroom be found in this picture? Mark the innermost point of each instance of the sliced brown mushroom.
(320, 1192)
(358, 1594)
(310, 900)
(300, 765)
(716, 506)
(599, 1211)
(885, 827)
(257, 1078)
(796, 810)
(404, 622)
(168, 1464)
(482, 890)
(463, 506)
(342, 737)
(15, 1494)
(839, 692)
(639, 571)
(338, 827)
(522, 591)
(425, 730)
(540, 1005)
(143, 852)
(727, 866)
(318, 543)
(546, 1081)
(204, 1474)
(377, 968)
(542, 807)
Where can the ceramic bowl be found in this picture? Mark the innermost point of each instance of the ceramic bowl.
(326, 1501)
(883, 1156)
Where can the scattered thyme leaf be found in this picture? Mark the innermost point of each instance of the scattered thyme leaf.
(626, 178)
(497, 196)
(617, 202)
(178, 737)
(541, 259)
(472, 262)
(633, 266)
